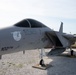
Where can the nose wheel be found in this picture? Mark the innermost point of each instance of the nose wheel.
(42, 63)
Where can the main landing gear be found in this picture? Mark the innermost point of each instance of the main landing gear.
(72, 55)
(71, 51)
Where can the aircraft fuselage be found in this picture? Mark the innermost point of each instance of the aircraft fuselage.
(14, 39)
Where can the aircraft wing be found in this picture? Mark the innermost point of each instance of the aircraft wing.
(60, 40)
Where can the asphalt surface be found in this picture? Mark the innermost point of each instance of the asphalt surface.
(21, 64)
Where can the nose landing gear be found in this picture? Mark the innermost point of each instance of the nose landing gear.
(41, 64)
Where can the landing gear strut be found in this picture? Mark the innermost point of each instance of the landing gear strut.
(41, 57)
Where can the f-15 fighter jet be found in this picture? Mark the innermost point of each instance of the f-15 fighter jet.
(30, 34)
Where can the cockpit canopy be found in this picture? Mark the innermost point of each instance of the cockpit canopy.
(30, 23)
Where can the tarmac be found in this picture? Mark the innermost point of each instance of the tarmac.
(21, 64)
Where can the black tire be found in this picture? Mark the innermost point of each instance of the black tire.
(42, 63)
(72, 52)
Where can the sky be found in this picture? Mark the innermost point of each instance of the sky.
(49, 12)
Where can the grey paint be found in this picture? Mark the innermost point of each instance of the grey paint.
(14, 39)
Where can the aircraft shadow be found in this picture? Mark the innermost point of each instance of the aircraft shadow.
(62, 65)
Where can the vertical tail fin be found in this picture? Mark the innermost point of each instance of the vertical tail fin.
(63, 40)
(61, 28)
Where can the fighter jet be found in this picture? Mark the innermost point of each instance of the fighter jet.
(30, 34)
